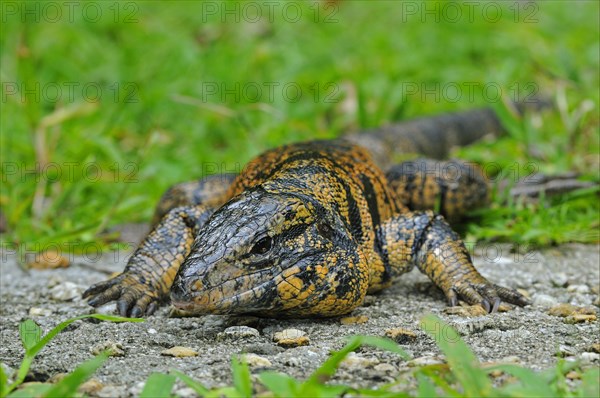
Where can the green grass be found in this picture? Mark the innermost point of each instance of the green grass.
(101, 162)
(462, 376)
(33, 342)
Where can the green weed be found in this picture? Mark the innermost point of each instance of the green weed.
(462, 376)
(33, 342)
(74, 166)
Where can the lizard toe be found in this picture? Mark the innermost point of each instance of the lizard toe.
(490, 295)
(103, 288)
(142, 306)
(471, 295)
(152, 308)
(125, 304)
(452, 298)
(512, 296)
(111, 294)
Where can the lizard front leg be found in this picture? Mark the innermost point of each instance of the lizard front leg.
(150, 271)
(426, 240)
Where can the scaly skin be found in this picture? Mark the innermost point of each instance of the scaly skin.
(305, 230)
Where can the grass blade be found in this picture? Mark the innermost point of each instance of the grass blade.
(385, 344)
(437, 376)
(30, 333)
(532, 384)
(590, 383)
(68, 386)
(193, 384)
(59, 328)
(241, 377)
(31, 390)
(32, 351)
(3, 381)
(325, 371)
(314, 383)
(280, 384)
(158, 385)
(425, 387)
(463, 363)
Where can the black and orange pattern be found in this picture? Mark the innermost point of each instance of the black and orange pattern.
(305, 230)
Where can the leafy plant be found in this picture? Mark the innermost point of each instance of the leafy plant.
(153, 129)
(462, 376)
(33, 342)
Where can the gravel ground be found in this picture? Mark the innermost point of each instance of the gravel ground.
(530, 336)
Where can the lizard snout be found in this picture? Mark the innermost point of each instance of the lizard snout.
(180, 296)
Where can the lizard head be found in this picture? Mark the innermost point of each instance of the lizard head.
(274, 255)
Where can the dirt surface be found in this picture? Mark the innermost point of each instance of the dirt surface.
(530, 336)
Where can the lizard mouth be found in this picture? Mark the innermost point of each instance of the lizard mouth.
(228, 299)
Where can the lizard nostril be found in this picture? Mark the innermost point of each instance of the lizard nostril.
(178, 292)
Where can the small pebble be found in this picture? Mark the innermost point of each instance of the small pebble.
(291, 338)
(589, 357)
(573, 314)
(573, 375)
(353, 360)
(510, 359)
(400, 335)
(504, 307)
(582, 289)
(152, 331)
(496, 373)
(597, 302)
(256, 361)
(106, 309)
(544, 300)
(580, 318)
(467, 311)
(137, 388)
(114, 349)
(50, 259)
(559, 279)
(37, 311)
(90, 387)
(294, 362)
(112, 391)
(595, 348)
(54, 280)
(580, 299)
(424, 361)
(186, 392)
(385, 368)
(566, 351)
(238, 332)
(351, 320)
(179, 352)
(56, 378)
(66, 291)
(562, 309)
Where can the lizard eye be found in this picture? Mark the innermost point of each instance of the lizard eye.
(325, 230)
(262, 246)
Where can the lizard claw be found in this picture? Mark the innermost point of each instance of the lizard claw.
(486, 294)
(134, 298)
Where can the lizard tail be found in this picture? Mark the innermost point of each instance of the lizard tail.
(434, 136)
